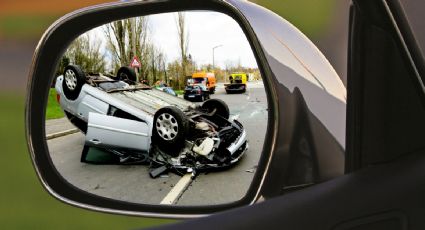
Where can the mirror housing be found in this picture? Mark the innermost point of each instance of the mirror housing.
(304, 141)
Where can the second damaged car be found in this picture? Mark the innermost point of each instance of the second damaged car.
(137, 123)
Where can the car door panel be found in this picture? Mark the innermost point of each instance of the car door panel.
(108, 131)
(91, 104)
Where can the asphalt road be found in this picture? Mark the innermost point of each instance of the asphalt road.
(133, 183)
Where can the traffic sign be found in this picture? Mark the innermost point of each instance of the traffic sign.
(135, 63)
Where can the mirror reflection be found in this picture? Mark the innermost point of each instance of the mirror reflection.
(161, 109)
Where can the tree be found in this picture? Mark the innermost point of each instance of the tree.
(128, 38)
(62, 64)
(85, 52)
(173, 71)
(183, 36)
(159, 65)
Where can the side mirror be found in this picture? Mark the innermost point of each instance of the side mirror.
(125, 147)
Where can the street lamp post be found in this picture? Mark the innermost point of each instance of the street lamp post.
(213, 49)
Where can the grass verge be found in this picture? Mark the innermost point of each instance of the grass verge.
(53, 110)
(179, 92)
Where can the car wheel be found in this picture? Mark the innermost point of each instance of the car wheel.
(73, 80)
(217, 105)
(127, 74)
(170, 128)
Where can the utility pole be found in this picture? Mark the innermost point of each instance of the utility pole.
(213, 49)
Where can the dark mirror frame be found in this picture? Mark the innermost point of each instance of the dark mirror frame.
(52, 46)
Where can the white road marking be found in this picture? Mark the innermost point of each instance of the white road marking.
(178, 189)
(61, 134)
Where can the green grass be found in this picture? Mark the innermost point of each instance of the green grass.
(25, 204)
(310, 16)
(179, 92)
(53, 110)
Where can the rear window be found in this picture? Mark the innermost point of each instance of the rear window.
(107, 86)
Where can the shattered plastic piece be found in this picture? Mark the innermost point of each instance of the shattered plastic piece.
(158, 171)
(252, 170)
(205, 148)
(175, 161)
(216, 142)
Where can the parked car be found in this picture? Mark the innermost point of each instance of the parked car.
(196, 93)
(116, 115)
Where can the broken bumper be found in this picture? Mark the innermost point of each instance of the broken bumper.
(238, 144)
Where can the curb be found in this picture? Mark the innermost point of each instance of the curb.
(61, 134)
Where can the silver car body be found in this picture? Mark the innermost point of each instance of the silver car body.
(93, 104)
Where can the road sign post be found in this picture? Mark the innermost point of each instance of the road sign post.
(135, 63)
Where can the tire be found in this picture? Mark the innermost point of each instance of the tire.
(127, 74)
(216, 104)
(170, 128)
(73, 80)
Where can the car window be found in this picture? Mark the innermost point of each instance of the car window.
(198, 80)
(107, 86)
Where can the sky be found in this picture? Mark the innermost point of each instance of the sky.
(206, 30)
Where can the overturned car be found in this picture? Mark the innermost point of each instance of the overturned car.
(137, 123)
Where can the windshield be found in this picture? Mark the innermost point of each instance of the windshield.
(198, 80)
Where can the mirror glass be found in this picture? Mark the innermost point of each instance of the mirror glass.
(161, 109)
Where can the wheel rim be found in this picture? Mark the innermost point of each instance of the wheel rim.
(167, 126)
(70, 80)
